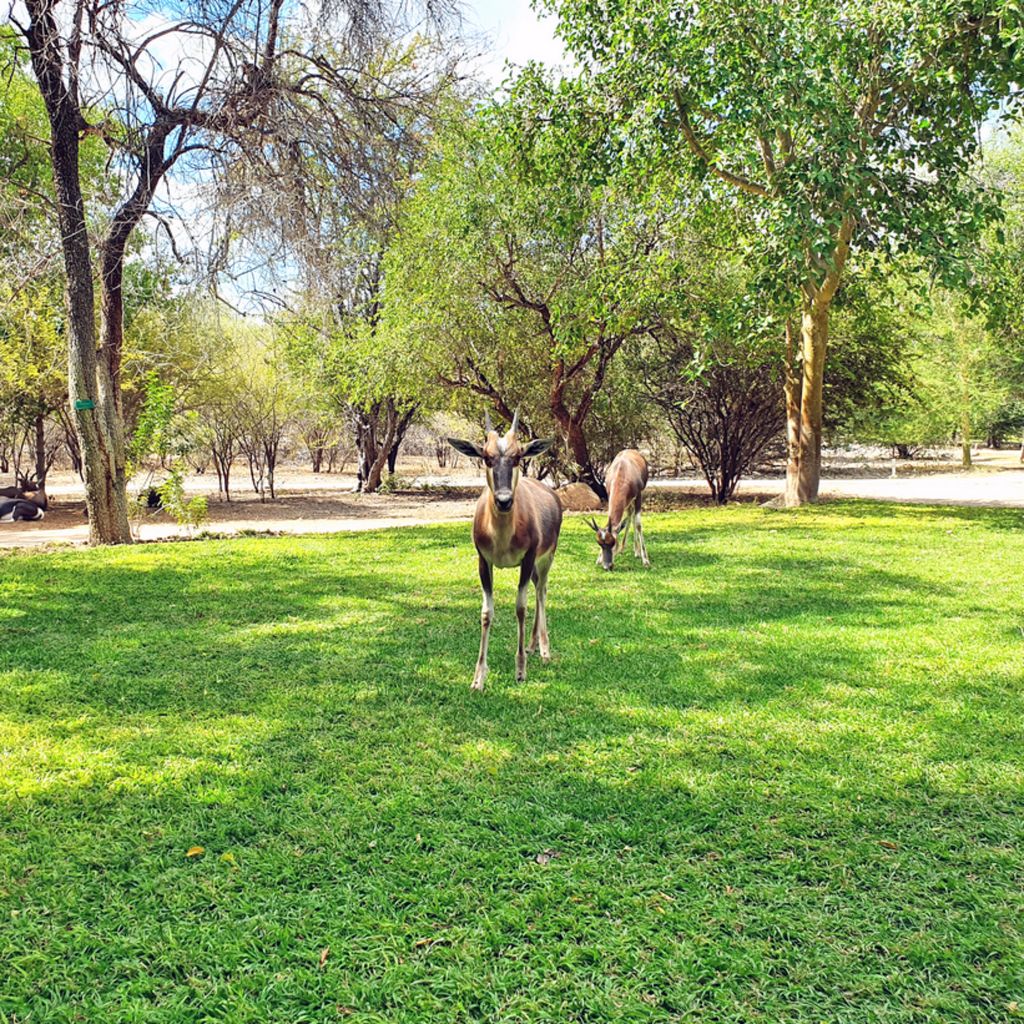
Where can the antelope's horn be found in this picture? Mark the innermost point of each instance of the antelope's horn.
(592, 523)
(515, 422)
(487, 421)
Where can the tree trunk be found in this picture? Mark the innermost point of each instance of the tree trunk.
(91, 393)
(400, 431)
(791, 385)
(366, 448)
(803, 470)
(222, 459)
(965, 420)
(577, 441)
(375, 472)
(41, 466)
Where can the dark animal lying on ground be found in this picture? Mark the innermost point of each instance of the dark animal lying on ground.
(28, 490)
(18, 510)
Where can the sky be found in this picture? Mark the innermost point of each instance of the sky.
(514, 33)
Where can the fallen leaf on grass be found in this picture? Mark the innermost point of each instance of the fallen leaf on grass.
(195, 851)
(887, 844)
(545, 856)
(229, 858)
(324, 954)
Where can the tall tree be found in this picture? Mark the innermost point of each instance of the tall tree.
(520, 280)
(325, 212)
(832, 125)
(242, 66)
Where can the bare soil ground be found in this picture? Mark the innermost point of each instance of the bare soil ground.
(326, 503)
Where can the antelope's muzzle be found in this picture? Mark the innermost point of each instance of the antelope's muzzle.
(503, 499)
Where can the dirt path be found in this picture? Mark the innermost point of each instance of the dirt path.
(989, 488)
(308, 513)
(327, 509)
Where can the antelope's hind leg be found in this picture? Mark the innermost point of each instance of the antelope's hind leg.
(535, 633)
(486, 618)
(540, 620)
(522, 600)
(638, 541)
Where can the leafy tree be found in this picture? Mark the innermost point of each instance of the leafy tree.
(830, 126)
(326, 211)
(1001, 273)
(253, 67)
(33, 359)
(949, 382)
(720, 397)
(518, 280)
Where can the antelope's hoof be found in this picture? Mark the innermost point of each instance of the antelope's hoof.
(477, 685)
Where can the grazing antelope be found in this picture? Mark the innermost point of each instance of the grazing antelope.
(516, 523)
(18, 510)
(626, 480)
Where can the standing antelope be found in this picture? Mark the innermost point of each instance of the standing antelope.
(516, 523)
(626, 480)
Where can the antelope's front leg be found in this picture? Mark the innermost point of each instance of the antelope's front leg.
(486, 618)
(522, 597)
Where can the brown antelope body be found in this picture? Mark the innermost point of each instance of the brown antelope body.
(26, 489)
(625, 481)
(516, 524)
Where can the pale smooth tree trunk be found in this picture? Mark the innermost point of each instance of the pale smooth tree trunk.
(791, 385)
(804, 388)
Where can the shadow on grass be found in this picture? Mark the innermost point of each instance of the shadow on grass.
(711, 765)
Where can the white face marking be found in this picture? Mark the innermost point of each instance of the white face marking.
(502, 445)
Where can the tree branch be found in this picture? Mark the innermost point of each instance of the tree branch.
(699, 151)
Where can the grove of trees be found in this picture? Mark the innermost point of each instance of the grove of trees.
(745, 227)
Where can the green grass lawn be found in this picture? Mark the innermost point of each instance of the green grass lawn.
(779, 777)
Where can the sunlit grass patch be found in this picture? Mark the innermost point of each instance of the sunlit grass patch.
(779, 776)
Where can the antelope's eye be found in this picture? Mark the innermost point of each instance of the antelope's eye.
(489, 460)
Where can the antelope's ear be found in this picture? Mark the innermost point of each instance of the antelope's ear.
(474, 451)
(538, 446)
